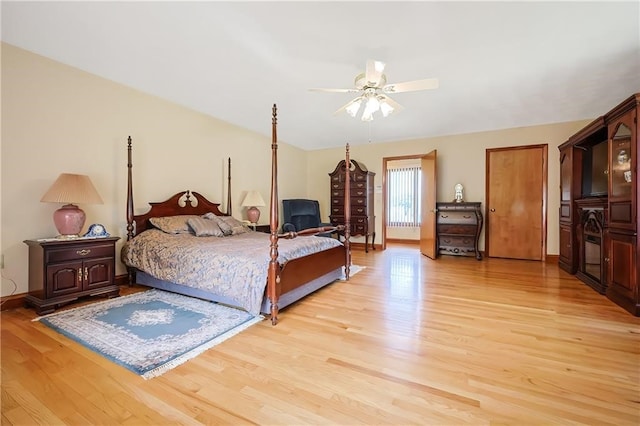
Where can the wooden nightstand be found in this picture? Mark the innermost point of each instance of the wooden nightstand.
(261, 228)
(61, 271)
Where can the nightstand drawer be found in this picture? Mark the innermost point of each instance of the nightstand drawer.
(79, 252)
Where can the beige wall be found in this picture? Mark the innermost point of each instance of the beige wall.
(56, 119)
(460, 159)
(59, 119)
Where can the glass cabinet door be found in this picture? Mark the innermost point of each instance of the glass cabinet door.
(566, 168)
(620, 173)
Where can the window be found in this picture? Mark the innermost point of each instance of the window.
(404, 189)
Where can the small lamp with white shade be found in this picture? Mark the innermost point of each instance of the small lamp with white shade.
(71, 189)
(253, 200)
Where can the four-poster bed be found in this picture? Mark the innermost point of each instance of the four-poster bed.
(277, 268)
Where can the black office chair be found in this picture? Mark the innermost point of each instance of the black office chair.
(300, 214)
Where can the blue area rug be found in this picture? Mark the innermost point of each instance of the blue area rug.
(150, 332)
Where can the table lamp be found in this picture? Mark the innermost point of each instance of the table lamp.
(71, 189)
(253, 199)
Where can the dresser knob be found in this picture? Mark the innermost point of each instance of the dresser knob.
(83, 252)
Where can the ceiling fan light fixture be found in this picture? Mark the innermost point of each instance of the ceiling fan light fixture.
(372, 86)
(367, 116)
(370, 107)
(353, 108)
(385, 108)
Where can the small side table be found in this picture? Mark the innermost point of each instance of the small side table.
(261, 228)
(61, 271)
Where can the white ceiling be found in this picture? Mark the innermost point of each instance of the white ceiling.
(500, 64)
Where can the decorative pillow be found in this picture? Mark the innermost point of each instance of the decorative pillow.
(237, 227)
(172, 224)
(205, 227)
(224, 226)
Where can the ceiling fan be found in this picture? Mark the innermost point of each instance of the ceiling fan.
(373, 88)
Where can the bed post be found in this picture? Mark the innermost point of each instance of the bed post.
(229, 188)
(347, 213)
(129, 203)
(273, 278)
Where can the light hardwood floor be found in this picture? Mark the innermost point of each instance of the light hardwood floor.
(406, 341)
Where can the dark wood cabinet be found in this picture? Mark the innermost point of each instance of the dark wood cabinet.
(458, 227)
(598, 205)
(362, 206)
(622, 237)
(61, 271)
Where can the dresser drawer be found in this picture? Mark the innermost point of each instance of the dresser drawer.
(359, 220)
(338, 210)
(359, 229)
(74, 253)
(451, 242)
(358, 185)
(355, 192)
(358, 192)
(457, 217)
(457, 229)
(358, 201)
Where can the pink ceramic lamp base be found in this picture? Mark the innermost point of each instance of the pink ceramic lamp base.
(69, 220)
(253, 214)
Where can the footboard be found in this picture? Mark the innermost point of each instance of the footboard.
(297, 272)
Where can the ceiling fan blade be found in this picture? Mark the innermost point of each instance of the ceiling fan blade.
(335, 90)
(373, 73)
(411, 86)
(396, 106)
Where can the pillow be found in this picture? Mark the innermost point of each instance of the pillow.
(173, 224)
(224, 226)
(205, 227)
(237, 227)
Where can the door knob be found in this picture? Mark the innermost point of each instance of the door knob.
(492, 210)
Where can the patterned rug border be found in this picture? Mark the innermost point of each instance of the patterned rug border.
(161, 369)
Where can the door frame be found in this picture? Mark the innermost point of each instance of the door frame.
(385, 160)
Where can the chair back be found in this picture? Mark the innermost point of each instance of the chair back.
(301, 213)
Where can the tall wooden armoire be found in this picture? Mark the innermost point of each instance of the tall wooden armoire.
(362, 206)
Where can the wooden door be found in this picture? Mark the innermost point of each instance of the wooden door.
(428, 243)
(516, 202)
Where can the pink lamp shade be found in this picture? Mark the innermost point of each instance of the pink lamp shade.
(251, 200)
(71, 189)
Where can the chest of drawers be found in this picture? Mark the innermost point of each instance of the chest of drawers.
(61, 271)
(458, 227)
(361, 198)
